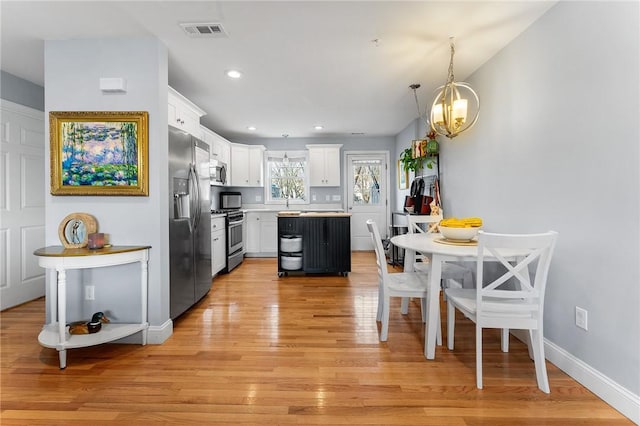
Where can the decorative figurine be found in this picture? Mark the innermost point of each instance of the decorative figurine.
(88, 327)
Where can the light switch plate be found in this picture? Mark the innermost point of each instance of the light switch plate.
(336, 198)
(258, 198)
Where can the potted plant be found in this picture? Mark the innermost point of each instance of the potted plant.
(420, 151)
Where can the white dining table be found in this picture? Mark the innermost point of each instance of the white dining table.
(440, 252)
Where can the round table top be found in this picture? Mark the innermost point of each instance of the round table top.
(60, 251)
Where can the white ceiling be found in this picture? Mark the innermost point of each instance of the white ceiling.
(304, 62)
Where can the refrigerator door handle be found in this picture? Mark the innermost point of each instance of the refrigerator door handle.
(198, 212)
(192, 197)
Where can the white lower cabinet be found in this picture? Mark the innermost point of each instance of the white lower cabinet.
(262, 234)
(218, 245)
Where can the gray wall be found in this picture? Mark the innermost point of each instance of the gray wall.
(128, 220)
(556, 147)
(20, 91)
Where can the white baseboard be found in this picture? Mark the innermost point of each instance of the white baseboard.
(611, 392)
(157, 334)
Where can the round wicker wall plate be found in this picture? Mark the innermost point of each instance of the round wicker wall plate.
(74, 229)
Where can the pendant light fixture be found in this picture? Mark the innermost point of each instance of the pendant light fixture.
(450, 108)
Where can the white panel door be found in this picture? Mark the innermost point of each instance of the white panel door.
(22, 186)
(367, 195)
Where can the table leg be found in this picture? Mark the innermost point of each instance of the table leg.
(62, 356)
(62, 316)
(144, 272)
(433, 310)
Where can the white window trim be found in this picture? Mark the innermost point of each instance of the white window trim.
(267, 180)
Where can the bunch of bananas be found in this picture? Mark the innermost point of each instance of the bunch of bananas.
(465, 222)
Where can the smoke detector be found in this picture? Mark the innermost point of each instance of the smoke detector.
(205, 29)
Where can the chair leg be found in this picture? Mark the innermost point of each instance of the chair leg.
(478, 356)
(384, 332)
(451, 323)
(404, 306)
(505, 340)
(539, 360)
(439, 331)
(380, 303)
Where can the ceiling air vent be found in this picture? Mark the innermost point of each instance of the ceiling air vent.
(204, 30)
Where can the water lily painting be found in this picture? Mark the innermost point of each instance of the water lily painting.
(99, 153)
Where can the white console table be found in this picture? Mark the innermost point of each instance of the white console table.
(57, 260)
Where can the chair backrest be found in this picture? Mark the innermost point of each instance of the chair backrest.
(381, 260)
(512, 297)
(414, 222)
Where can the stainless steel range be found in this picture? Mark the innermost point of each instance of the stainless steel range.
(235, 252)
(230, 205)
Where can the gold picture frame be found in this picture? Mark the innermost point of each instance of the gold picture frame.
(99, 153)
(403, 176)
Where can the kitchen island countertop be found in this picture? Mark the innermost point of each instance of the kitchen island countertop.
(293, 213)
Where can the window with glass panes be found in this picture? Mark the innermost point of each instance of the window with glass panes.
(287, 177)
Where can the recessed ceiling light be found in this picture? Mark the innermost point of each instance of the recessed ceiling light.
(234, 74)
(318, 127)
(251, 128)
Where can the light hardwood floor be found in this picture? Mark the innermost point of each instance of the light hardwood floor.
(259, 349)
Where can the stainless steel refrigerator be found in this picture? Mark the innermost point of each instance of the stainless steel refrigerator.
(189, 221)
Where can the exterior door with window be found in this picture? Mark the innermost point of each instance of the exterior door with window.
(367, 195)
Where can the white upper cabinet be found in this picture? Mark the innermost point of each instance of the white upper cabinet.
(247, 165)
(184, 114)
(324, 165)
(220, 147)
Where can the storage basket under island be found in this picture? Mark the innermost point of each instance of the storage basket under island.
(314, 243)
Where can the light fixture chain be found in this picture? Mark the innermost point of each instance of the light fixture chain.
(450, 79)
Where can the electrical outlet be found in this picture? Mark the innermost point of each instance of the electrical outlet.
(89, 292)
(336, 198)
(581, 318)
(258, 198)
(313, 197)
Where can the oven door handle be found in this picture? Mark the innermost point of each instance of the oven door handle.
(237, 222)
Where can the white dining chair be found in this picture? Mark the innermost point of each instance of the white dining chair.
(450, 271)
(397, 284)
(510, 301)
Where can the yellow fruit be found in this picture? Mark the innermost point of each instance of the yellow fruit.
(466, 222)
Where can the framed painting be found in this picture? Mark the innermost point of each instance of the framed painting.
(403, 176)
(99, 153)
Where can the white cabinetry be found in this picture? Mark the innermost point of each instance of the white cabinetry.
(262, 234)
(324, 165)
(184, 114)
(247, 164)
(220, 147)
(218, 245)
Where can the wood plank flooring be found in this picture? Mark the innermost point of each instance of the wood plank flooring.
(259, 349)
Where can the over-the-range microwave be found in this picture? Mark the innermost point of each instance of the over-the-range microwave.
(218, 173)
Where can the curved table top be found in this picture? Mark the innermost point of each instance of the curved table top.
(60, 251)
(426, 243)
